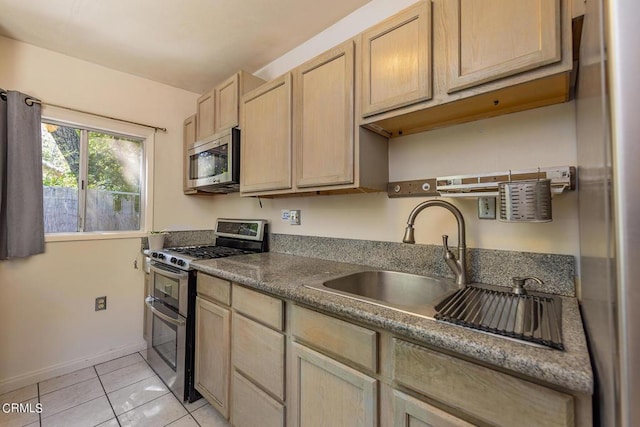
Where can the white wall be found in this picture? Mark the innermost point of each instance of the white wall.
(541, 137)
(48, 324)
(536, 138)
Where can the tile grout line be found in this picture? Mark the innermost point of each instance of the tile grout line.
(39, 413)
(62, 388)
(152, 400)
(73, 407)
(145, 378)
(107, 396)
(189, 413)
(121, 367)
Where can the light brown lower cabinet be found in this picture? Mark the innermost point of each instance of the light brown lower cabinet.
(258, 357)
(491, 396)
(253, 407)
(212, 355)
(318, 370)
(411, 412)
(258, 352)
(326, 392)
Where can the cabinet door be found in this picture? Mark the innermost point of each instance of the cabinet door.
(491, 39)
(410, 412)
(328, 393)
(396, 61)
(212, 354)
(266, 137)
(205, 112)
(188, 138)
(227, 104)
(259, 353)
(324, 118)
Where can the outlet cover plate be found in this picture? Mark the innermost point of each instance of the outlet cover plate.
(294, 217)
(101, 303)
(487, 207)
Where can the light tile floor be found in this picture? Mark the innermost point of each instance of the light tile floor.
(121, 392)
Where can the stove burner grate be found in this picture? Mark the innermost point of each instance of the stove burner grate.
(209, 252)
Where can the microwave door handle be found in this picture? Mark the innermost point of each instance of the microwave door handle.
(176, 322)
(170, 274)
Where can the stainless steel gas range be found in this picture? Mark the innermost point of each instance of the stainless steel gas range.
(170, 303)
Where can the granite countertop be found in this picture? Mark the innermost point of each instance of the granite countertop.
(283, 276)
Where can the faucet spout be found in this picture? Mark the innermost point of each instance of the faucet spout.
(457, 266)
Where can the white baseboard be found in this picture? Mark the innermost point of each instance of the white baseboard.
(43, 374)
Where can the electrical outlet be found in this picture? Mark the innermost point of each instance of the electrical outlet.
(487, 207)
(294, 217)
(101, 303)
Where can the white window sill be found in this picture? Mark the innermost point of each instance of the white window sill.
(105, 235)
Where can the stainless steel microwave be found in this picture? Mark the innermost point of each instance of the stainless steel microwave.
(214, 163)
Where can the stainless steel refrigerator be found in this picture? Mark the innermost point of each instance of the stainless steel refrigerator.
(608, 141)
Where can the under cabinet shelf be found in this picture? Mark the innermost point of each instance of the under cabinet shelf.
(563, 178)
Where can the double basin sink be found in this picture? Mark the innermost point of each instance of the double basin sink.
(533, 319)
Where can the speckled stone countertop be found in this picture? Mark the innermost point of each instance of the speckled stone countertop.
(284, 276)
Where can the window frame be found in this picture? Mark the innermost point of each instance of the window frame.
(146, 180)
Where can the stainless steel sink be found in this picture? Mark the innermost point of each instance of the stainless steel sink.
(532, 319)
(405, 292)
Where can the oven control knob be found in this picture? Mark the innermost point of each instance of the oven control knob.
(160, 256)
(173, 260)
(180, 262)
(154, 254)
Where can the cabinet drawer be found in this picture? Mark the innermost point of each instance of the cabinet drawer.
(252, 407)
(259, 353)
(261, 307)
(351, 342)
(214, 288)
(496, 398)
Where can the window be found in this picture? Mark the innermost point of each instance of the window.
(92, 180)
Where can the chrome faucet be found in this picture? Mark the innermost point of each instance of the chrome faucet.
(457, 266)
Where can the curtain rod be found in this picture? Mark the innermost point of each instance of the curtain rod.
(30, 101)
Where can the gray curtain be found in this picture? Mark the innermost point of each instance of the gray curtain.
(21, 205)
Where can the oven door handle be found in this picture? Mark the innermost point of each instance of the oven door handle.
(166, 272)
(176, 322)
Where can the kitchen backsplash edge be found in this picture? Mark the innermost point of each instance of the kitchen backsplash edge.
(489, 266)
(185, 238)
(495, 267)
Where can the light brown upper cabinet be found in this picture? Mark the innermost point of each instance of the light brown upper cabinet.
(396, 60)
(188, 138)
(205, 115)
(228, 94)
(324, 122)
(491, 39)
(219, 108)
(266, 137)
(300, 134)
(490, 57)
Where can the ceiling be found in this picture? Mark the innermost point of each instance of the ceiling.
(189, 44)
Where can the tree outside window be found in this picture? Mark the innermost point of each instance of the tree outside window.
(95, 191)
